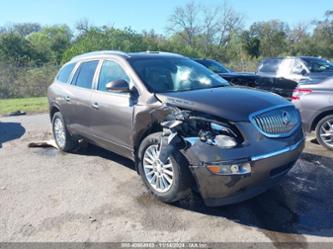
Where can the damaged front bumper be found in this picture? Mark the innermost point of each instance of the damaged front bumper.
(269, 160)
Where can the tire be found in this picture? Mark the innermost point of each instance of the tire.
(323, 125)
(64, 141)
(182, 179)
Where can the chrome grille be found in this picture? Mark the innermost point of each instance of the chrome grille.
(277, 122)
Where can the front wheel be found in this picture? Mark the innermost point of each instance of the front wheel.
(324, 132)
(169, 182)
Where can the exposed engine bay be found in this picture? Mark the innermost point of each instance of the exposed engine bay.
(182, 126)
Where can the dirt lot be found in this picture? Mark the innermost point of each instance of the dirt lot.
(95, 195)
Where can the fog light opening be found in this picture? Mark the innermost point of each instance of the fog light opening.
(230, 169)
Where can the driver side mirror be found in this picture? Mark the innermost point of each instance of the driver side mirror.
(119, 86)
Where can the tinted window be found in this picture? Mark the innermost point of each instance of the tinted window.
(214, 66)
(85, 74)
(317, 65)
(65, 72)
(175, 74)
(270, 66)
(111, 71)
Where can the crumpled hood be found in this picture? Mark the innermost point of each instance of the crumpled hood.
(230, 103)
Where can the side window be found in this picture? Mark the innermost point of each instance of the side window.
(65, 72)
(110, 71)
(84, 75)
(270, 66)
(297, 67)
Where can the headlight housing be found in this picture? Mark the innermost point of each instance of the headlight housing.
(219, 135)
(212, 132)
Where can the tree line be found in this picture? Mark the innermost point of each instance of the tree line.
(31, 54)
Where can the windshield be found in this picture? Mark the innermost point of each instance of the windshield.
(166, 74)
(214, 66)
(317, 65)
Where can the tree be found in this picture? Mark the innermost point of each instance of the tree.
(185, 22)
(25, 29)
(15, 49)
(228, 23)
(272, 36)
(323, 35)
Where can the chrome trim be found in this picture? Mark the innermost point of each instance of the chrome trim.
(279, 152)
(252, 119)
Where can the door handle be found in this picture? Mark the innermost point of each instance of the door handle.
(68, 99)
(95, 105)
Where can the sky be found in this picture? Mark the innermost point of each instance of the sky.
(151, 14)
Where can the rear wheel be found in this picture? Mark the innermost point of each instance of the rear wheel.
(63, 139)
(169, 182)
(324, 132)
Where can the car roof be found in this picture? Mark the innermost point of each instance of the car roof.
(292, 57)
(106, 53)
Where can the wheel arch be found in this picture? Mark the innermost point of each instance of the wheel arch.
(54, 109)
(155, 127)
(320, 117)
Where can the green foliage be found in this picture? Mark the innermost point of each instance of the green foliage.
(30, 54)
(30, 105)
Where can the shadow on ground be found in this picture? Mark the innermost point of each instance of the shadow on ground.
(10, 131)
(301, 204)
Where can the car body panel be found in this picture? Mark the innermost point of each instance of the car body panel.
(214, 101)
(319, 102)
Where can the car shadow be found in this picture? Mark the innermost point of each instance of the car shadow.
(92, 150)
(301, 204)
(10, 131)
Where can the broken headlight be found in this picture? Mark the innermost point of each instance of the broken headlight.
(219, 135)
(212, 133)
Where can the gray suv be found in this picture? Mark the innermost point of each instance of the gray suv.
(183, 126)
(315, 102)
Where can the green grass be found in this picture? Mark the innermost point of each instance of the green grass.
(29, 105)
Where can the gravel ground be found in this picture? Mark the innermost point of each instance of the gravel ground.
(95, 195)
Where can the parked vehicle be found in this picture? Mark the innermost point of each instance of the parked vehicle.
(284, 74)
(184, 127)
(237, 78)
(280, 75)
(315, 102)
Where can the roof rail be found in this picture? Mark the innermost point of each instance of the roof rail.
(103, 52)
(162, 53)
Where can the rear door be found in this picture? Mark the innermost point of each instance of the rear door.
(62, 98)
(111, 112)
(80, 97)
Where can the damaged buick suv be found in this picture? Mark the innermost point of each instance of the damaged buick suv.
(183, 126)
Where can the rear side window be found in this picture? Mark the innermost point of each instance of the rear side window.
(84, 75)
(111, 71)
(65, 72)
(270, 66)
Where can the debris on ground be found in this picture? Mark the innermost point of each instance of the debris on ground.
(92, 220)
(43, 144)
(17, 113)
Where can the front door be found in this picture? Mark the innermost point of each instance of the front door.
(111, 119)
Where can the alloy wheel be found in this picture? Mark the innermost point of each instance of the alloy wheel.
(159, 176)
(59, 132)
(326, 132)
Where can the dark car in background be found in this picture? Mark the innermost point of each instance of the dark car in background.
(280, 75)
(284, 74)
(237, 78)
(183, 126)
(315, 102)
